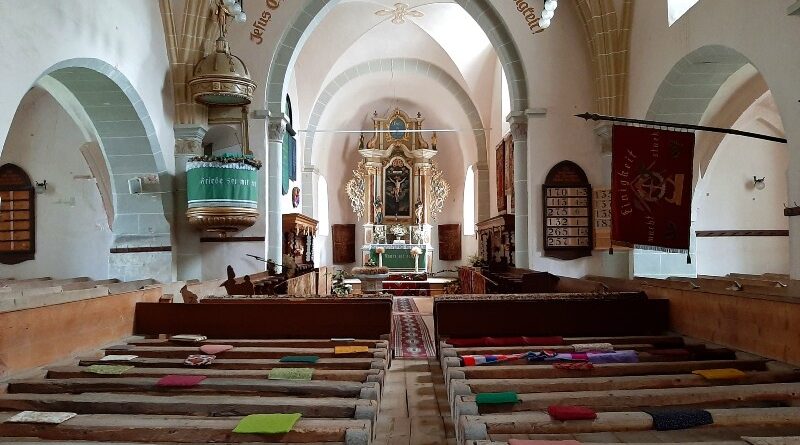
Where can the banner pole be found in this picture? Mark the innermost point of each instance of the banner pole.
(601, 117)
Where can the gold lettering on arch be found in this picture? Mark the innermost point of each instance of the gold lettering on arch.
(260, 25)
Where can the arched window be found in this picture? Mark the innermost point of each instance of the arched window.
(677, 8)
(17, 224)
(469, 202)
(322, 210)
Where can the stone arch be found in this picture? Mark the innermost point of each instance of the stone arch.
(401, 65)
(127, 139)
(481, 11)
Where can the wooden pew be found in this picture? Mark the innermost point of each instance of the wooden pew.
(342, 375)
(242, 364)
(184, 429)
(240, 353)
(288, 343)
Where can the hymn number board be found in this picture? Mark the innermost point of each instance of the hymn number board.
(567, 212)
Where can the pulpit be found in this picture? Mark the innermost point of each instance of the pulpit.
(399, 191)
(298, 242)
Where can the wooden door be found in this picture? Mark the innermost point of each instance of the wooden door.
(450, 242)
(344, 243)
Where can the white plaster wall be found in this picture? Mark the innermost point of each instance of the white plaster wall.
(762, 31)
(72, 234)
(726, 200)
(125, 34)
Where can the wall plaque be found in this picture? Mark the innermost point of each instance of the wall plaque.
(567, 212)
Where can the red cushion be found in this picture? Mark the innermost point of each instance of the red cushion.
(574, 366)
(214, 349)
(180, 380)
(567, 412)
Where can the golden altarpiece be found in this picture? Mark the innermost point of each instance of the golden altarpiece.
(398, 191)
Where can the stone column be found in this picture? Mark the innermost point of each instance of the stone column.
(276, 128)
(309, 181)
(188, 143)
(519, 133)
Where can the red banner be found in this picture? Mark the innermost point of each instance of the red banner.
(651, 187)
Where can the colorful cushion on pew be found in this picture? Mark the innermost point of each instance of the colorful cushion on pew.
(51, 418)
(593, 347)
(199, 360)
(214, 349)
(669, 419)
(488, 359)
(267, 423)
(188, 338)
(569, 412)
(180, 381)
(108, 369)
(574, 366)
(505, 341)
(118, 358)
(720, 374)
(299, 359)
(495, 398)
(627, 356)
(290, 374)
(542, 442)
(350, 349)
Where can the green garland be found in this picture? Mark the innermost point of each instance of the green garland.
(229, 159)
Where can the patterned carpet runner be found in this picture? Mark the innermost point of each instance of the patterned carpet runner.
(410, 338)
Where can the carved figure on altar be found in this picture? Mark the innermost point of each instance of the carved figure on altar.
(378, 205)
(419, 208)
(434, 139)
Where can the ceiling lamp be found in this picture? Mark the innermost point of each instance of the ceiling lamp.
(548, 13)
(221, 78)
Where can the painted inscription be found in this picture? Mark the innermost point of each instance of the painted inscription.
(260, 25)
(529, 14)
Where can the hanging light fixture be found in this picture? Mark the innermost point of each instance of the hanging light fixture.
(548, 13)
(221, 78)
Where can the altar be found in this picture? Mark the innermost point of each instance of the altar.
(398, 190)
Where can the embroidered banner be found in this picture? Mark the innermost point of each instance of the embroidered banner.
(651, 188)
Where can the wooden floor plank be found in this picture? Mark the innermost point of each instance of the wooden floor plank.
(182, 429)
(313, 388)
(344, 375)
(261, 364)
(191, 405)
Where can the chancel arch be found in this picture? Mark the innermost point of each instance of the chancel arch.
(111, 115)
(415, 67)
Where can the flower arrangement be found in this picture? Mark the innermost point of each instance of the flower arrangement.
(229, 159)
(339, 288)
(416, 251)
(380, 250)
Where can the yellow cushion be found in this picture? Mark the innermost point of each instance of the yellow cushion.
(720, 374)
(349, 349)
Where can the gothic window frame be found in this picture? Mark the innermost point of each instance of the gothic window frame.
(15, 181)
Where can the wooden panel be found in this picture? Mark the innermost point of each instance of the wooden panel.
(37, 336)
(363, 318)
(758, 325)
(513, 317)
(450, 242)
(344, 243)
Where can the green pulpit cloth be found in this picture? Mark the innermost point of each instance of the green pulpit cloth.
(267, 423)
(290, 374)
(108, 369)
(398, 256)
(219, 184)
(494, 398)
(299, 359)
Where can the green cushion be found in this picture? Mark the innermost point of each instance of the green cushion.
(496, 397)
(291, 373)
(267, 423)
(299, 359)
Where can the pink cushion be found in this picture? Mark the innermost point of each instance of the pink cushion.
(180, 380)
(215, 349)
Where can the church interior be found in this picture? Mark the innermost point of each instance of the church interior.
(386, 222)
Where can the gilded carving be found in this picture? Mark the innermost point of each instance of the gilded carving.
(439, 191)
(356, 189)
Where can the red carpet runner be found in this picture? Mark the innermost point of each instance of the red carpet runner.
(410, 338)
